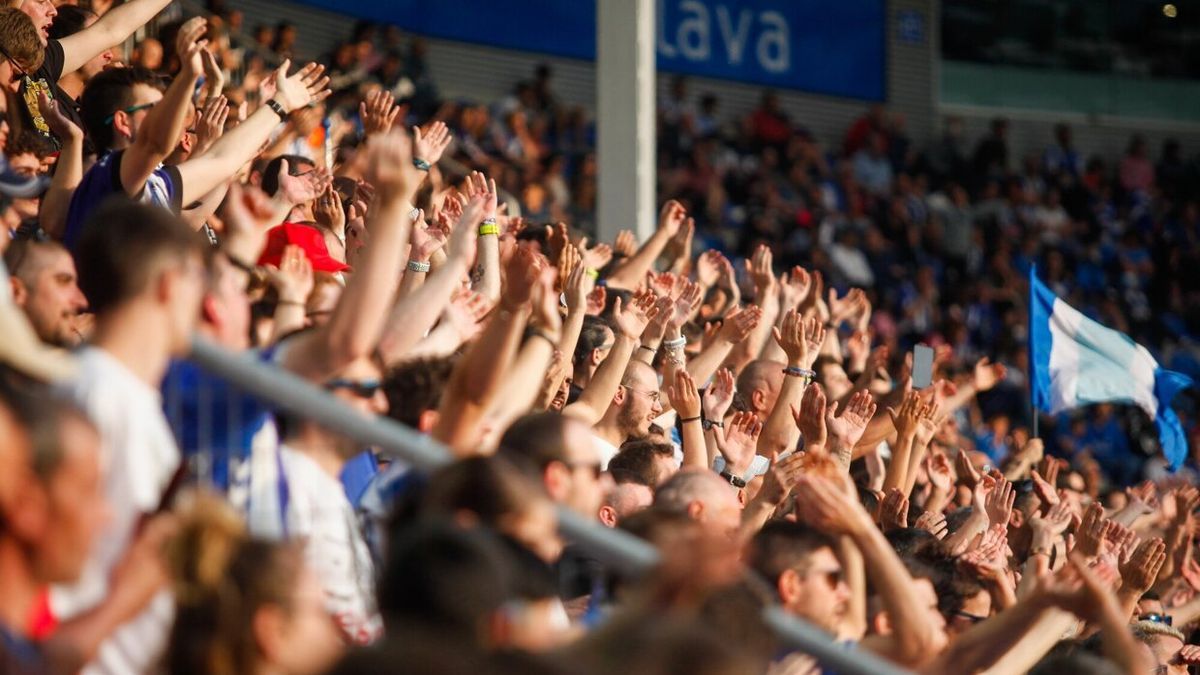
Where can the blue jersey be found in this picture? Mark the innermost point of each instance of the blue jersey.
(163, 188)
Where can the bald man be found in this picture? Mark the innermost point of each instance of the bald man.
(704, 497)
(633, 408)
(758, 386)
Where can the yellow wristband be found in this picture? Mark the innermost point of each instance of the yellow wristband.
(595, 274)
(485, 230)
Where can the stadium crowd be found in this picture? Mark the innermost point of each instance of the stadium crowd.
(736, 389)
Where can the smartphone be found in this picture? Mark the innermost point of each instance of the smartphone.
(922, 373)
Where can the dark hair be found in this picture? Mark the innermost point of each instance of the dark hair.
(592, 336)
(121, 246)
(221, 578)
(109, 91)
(70, 20)
(783, 545)
(22, 250)
(42, 414)
(440, 576)
(910, 541)
(28, 141)
(536, 439)
(270, 173)
(488, 487)
(636, 462)
(415, 387)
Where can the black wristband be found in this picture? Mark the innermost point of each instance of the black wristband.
(689, 419)
(652, 350)
(277, 109)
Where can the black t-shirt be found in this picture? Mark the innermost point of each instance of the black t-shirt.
(45, 79)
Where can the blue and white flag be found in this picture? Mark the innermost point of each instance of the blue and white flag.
(1075, 361)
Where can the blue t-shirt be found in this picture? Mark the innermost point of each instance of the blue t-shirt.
(163, 188)
(215, 423)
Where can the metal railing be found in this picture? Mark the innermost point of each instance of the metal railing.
(615, 548)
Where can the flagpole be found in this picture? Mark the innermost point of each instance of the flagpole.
(1029, 376)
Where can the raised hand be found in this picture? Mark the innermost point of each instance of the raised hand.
(908, 417)
(759, 269)
(596, 301)
(845, 308)
(927, 424)
(190, 47)
(631, 320)
(999, 503)
(429, 143)
(391, 171)
(938, 468)
(210, 123)
(719, 395)
(214, 77)
(826, 505)
(933, 523)
(305, 86)
(893, 511)
(810, 418)
(328, 211)
(967, 473)
(739, 441)
(708, 268)
(465, 313)
(1044, 487)
(521, 275)
(59, 124)
(577, 288)
(685, 306)
(682, 394)
(1089, 536)
(739, 323)
(848, 427)
(800, 339)
(1141, 570)
(1143, 497)
(1190, 655)
(793, 287)
(596, 257)
(988, 374)
(670, 218)
(378, 112)
(478, 184)
(568, 259)
(626, 243)
(782, 477)
(464, 242)
(426, 239)
(293, 278)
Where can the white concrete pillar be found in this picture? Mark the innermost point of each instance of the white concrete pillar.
(625, 117)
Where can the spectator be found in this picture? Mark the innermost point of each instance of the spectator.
(1136, 170)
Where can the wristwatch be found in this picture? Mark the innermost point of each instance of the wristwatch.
(735, 481)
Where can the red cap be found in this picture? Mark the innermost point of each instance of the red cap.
(306, 237)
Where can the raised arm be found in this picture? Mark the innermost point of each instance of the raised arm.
(68, 172)
(629, 322)
(735, 329)
(630, 273)
(160, 131)
(833, 508)
(416, 312)
(686, 401)
(479, 375)
(800, 340)
(110, 30)
(356, 324)
(243, 142)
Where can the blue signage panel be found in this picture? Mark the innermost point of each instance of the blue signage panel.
(834, 48)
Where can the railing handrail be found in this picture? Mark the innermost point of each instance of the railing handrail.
(612, 547)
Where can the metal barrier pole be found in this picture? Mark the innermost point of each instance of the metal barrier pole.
(615, 548)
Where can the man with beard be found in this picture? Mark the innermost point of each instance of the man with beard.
(44, 286)
(635, 405)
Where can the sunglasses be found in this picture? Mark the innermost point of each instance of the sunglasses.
(360, 388)
(129, 111)
(1164, 619)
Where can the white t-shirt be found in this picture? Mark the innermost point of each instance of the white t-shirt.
(605, 450)
(318, 512)
(138, 460)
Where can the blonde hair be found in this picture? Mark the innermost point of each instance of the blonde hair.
(222, 577)
(19, 37)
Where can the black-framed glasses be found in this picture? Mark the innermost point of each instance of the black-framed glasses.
(17, 66)
(360, 388)
(1164, 619)
(129, 111)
